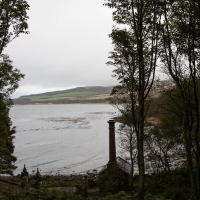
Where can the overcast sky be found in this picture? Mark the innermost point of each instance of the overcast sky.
(68, 46)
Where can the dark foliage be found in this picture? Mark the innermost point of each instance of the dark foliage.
(173, 185)
(7, 158)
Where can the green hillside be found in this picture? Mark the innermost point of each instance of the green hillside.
(95, 94)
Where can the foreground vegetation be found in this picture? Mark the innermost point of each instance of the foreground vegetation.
(162, 186)
(149, 35)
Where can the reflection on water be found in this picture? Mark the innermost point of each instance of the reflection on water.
(61, 138)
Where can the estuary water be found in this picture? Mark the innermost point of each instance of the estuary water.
(65, 138)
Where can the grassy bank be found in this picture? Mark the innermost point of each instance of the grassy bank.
(76, 95)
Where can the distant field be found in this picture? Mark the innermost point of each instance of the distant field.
(72, 95)
(96, 94)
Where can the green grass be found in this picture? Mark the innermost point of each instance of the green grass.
(69, 96)
(4, 185)
(78, 94)
(81, 93)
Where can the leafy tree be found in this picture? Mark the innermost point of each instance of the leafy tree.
(7, 159)
(9, 78)
(164, 147)
(135, 57)
(13, 20)
(128, 144)
(180, 56)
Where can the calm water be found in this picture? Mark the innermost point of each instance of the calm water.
(61, 138)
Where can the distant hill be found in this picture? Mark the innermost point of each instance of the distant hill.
(92, 94)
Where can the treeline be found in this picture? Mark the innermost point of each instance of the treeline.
(26, 101)
(158, 36)
(13, 22)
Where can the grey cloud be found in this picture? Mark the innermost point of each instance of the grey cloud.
(68, 45)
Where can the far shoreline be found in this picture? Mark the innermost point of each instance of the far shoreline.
(29, 104)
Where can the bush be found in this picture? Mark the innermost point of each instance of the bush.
(177, 193)
(173, 185)
(119, 196)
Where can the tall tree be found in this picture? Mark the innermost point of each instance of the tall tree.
(9, 81)
(121, 100)
(164, 141)
(7, 159)
(180, 56)
(13, 22)
(135, 57)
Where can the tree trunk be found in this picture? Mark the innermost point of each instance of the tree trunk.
(141, 165)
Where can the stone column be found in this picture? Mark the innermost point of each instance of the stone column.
(112, 147)
(38, 179)
(24, 177)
